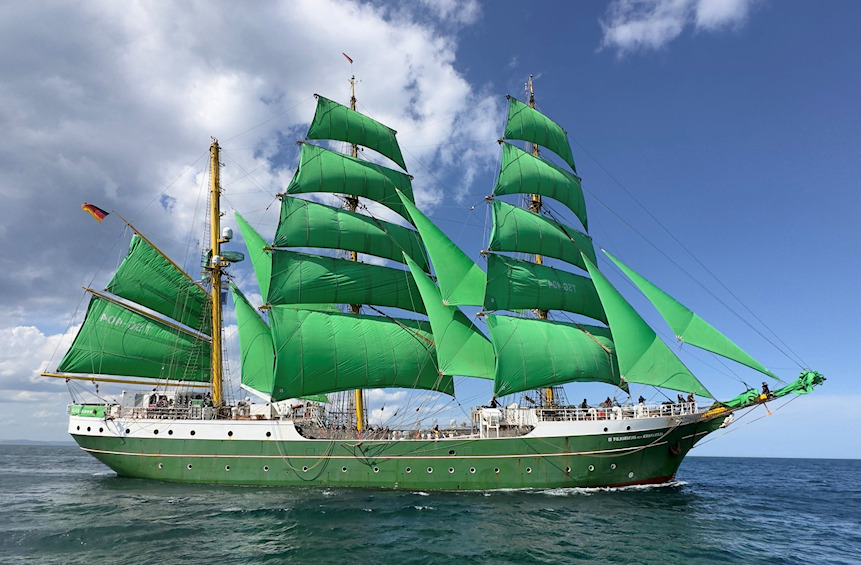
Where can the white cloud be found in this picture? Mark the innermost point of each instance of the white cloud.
(24, 353)
(716, 14)
(633, 25)
(114, 104)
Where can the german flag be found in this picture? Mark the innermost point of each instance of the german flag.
(96, 212)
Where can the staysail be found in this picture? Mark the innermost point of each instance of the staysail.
(643, 357)
(688, 326)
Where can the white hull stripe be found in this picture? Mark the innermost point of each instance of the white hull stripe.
(375, 457)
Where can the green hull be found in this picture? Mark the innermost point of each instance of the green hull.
(611, 459)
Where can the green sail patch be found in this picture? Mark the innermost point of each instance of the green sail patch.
(308, 224)
(643, 357)
(336, 121)
(257, 354)
(149, 278)
(522, 173)
(461, 282)
(261, 261)
(114, 340)
(688, 326)
(519, 230)
(305, 278)
(518, 285)
(461, 349)
(535, 353)
(317, 353)
(528, 124)
(321, 170)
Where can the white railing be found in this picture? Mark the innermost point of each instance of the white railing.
(571, 413)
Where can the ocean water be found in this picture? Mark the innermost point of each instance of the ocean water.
(59, 505)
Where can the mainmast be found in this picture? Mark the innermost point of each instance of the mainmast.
(215, 270)
(352, 204)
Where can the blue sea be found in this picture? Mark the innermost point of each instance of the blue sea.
(59, 505)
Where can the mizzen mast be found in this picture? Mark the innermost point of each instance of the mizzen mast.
(215, 267)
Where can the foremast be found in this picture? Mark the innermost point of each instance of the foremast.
(215, 267)
(535, 207)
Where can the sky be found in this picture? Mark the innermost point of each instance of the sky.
(718, 142)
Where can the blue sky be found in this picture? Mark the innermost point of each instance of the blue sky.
(718, 142)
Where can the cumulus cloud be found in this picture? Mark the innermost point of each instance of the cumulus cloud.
(115, 103)
(633, 25)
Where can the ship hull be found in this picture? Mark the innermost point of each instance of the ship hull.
(271, 452)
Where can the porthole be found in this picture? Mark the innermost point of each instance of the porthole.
(101, 430)
(343, 469)
(88, 428)
(128, 431)
(268, 434)
(529, 469)
(78, 428)
(305, 469)
(631, 475)
(591, 468)
(227, 467)
(628, 428)
(155, 432)
(229, 434)
(192, 432)
(430, 469)
(266, 468)
(170, 432)
(160, 466)
(472, 469)
(612, 465)
(496, 470)
(567, 469)
(189, 466)
(376, 469)
(605, 429)
(451, 451)
(451, 469)
(408, 470)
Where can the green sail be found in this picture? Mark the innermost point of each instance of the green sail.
(336, 121)
(522, 173)
(528, 124)
(518, 285)
(321, 170)
(534, 353)
(305, 278)
(149, 278)
(257, 354)
(643, 357)
(261, 260)
(461, 282)
(519, 230)
(461, 349)
(688, 326)
(115, 340)
(317, 353)
(308, 224)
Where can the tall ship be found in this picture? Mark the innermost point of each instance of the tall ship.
(370, 320)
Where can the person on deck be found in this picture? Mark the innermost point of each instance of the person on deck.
(584, 405)
(691, 398)
(765, 389)
(642, 400)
